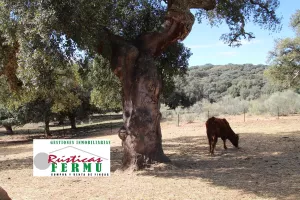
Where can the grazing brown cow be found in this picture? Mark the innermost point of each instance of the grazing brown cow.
(215, 128)
(3, 194)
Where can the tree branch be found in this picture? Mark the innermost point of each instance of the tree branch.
(296, 74)
(262, 5)
(178, 24)
(117, 50)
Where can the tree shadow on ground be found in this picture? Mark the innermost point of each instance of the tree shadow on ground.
(103, 117)
(27, 162)
(116, 154)
(79, 133)
(16, 164)
(98, 130)
(12, 146)
(10, 150)
(267, 165)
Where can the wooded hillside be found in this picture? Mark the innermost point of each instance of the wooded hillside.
(212, 82)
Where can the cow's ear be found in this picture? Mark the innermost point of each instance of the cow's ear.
(237, 135)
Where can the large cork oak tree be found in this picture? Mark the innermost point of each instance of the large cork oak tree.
(130, 35)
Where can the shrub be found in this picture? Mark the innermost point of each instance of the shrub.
(189, 117)
(166, 112)
(287, 102)
(227, 105)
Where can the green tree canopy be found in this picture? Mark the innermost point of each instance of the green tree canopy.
(285, 58)
(56, 28)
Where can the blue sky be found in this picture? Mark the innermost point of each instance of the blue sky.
(207, 47)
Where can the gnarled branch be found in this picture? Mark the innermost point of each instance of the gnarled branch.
(177, 26)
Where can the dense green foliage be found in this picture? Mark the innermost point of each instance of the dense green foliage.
(214, 82)
(50, 32)
(285, 58)
(60, 80)
(236, 14)
(48, 54)
(106, 87)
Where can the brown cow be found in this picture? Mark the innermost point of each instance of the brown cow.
(3, 194)
(215, 128)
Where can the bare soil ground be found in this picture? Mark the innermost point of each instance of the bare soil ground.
(266, 167)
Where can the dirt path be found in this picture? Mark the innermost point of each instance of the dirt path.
(266, 167)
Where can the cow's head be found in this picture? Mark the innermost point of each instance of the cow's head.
(235, 140)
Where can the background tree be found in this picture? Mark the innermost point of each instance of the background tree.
(8, 112)
(69, 95)
(7, 119)
(285, 58)
(52, 85)
(172, 63)
(130, 35)
(106, 93)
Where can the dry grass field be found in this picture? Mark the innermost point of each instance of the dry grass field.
(267, 166)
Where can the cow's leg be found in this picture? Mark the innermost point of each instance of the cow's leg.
(209, 142)
(214, 142)
(3, 194)
(224, 141)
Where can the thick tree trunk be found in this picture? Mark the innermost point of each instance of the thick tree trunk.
(8, 129)
(10, 65)
(60, 122)
(47, 128)
(141, 133)
(133, 63)
(72, 121)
